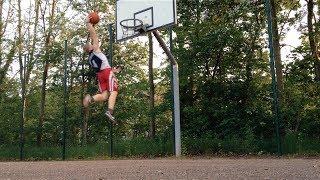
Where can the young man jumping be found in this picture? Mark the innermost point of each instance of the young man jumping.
(107, 81)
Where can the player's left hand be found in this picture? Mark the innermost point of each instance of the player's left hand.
(88, 19)
(116, 69)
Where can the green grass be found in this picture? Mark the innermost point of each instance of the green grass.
(138, 147)
(291, 145)
(301, 145)
(144, 147)
(9, 153)
(34, 153)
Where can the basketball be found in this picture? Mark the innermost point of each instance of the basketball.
(94, 17)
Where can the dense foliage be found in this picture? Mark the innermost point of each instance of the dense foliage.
(225, 82)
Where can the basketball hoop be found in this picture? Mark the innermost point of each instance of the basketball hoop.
(131, 26)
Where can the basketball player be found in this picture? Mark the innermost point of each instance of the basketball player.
(107, 81)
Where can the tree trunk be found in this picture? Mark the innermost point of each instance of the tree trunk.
(20, 47)
(276, 45)
(151, 84)
(45, 75)
(1, 34)
(312, 41)
(22, 77)
(34, 40)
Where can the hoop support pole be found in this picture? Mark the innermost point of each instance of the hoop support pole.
(176, 100)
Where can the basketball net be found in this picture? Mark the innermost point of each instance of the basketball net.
(131, 27)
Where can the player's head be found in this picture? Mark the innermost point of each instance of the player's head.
(88, 48)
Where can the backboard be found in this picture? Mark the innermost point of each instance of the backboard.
(135, 17)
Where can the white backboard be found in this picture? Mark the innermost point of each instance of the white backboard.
(153, 13)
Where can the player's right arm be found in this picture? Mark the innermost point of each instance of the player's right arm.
(93, 36)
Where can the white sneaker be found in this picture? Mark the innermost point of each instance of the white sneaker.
(87, 100)
(111, 118)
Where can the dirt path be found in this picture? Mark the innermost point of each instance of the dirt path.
(215, 168)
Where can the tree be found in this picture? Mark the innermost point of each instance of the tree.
(5, 62)
(47, 46)
(275, 8)
(313, 40)
(32, 49)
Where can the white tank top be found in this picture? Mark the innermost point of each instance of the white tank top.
(98, 61)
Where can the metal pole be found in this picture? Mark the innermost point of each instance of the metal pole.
(110, 61)
(23, 79)
(176, 100)
(83, 113)
(273, 75)
(172, 97)
(64, 102)
(164, 47)
(176, 110)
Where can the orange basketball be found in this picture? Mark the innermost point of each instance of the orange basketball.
(94, 17)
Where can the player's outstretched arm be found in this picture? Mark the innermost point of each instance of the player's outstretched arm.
(93, 35)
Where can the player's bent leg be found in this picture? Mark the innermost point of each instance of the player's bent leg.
(112, 100)
(101, 97)
(111, 104)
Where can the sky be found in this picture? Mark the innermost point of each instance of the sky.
(291, 40)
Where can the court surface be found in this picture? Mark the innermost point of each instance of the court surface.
(171, 168)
